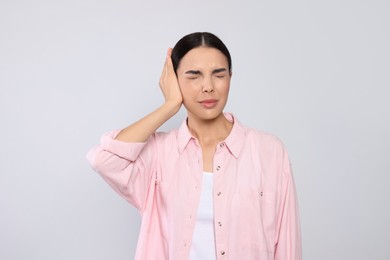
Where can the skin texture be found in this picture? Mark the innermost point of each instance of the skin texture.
(203, 76)
(202, 85)
(204, 80)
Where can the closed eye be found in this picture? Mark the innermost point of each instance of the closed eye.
(192, 76)
(220, 73)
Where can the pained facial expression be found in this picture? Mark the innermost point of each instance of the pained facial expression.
(204, 80)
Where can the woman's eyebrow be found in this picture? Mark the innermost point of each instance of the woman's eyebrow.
(194, 72)
(197, 72)
(219, 70)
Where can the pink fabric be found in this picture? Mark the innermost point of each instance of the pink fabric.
(255, 207)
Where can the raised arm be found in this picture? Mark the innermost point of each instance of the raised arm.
(126, 160)
(142, 129)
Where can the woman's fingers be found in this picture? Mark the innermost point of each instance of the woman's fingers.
(168, 81)
(169, 52)
(168, 62)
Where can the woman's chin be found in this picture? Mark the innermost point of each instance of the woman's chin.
(208, 115)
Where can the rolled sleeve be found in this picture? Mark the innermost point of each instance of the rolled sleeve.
(129, 151)
(127, 167)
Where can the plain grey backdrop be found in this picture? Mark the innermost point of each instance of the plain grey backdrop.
(314, 73)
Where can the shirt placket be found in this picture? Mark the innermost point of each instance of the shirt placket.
(195, 190)
(220, 221)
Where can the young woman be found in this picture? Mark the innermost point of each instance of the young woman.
(212, 189)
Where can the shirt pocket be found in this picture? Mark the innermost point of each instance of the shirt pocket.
(267, 198)
(248, 224)
(246, 198)
(161, 188)
(268, 213)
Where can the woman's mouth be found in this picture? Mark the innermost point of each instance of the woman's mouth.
(209, 103)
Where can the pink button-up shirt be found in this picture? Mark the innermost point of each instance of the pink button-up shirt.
(255, 207)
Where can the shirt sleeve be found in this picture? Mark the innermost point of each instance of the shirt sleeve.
(127, 167)
(288, 235)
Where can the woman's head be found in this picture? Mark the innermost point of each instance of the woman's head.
(195, 40)
(202, 65)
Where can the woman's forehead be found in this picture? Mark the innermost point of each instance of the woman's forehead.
(205, 57)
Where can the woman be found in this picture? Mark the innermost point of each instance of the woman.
(212, 189)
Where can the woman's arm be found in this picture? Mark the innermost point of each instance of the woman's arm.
(288, 241)
(126, 160)
(129, 168)
(142, 129)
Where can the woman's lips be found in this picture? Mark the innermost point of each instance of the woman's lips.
(209, 103)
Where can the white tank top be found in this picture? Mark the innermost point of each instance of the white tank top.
(203, 241)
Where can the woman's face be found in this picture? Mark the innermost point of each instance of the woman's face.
(204, 80)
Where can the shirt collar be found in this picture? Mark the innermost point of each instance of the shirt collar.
(234, 141)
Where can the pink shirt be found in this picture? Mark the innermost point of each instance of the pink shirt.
(255, 207)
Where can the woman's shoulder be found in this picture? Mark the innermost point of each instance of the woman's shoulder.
(166, 136)
(256, 138)
(263, 138)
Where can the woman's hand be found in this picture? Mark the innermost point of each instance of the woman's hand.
(169, 84)
(141, 130)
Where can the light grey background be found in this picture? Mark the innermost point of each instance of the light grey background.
(315, 73)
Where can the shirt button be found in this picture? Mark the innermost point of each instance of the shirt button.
(222, 145)
(220, 224)
(219, 193)
(222, 252)
(218, 167)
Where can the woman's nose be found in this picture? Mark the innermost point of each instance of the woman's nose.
(207, 86)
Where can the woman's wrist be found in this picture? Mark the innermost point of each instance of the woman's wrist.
(173, 106)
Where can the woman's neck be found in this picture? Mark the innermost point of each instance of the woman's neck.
(209, 132)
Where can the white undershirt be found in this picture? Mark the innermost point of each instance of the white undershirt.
(203, 241)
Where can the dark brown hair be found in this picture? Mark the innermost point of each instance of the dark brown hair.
(198, 39)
